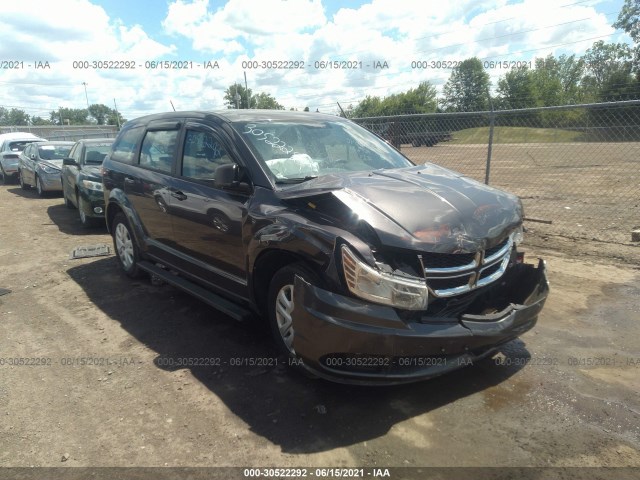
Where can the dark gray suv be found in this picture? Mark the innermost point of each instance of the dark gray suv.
(366, 267)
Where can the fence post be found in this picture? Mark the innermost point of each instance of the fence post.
(492, 121)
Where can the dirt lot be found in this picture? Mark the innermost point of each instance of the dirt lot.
(566, 394)
(587, 190)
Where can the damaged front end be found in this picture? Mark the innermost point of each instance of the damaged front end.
(353, 340)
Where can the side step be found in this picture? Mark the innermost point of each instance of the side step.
(216, 301)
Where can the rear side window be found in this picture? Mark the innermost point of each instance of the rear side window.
(124, 147)
(159, 149)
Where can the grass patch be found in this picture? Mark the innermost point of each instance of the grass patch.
(515, 135)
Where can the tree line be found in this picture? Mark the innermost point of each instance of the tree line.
(96, 114)
(607, 72)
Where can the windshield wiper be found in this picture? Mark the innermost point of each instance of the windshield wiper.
(296, 179)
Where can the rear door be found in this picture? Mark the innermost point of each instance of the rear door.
(208, 221)
(70, 173)
(145, 183)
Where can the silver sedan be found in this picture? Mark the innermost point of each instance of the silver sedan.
(40, 165)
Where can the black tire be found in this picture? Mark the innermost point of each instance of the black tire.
(23, 186)
(279, 297)
(86, 221)
(67, 203)
(125, 246)
(3, 175)
(41, 192)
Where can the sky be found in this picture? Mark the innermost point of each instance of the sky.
(142, 56)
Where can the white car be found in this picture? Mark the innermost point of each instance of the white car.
(11, 145)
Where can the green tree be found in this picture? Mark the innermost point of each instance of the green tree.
(604, 60)
(467, 88)
(246, 99)
(629, 21)
(100, 113)
(14, 116)
(264, 101)
(415, 100)
(571, 71)
(548, 83)
(369, 107)
(517, 89)
(40, 121)
(69, 116)
(243, 96)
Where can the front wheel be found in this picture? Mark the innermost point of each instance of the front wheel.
(125, 246)
(280, 304)
(67, 202)
(23, 186)
(86, 221)
(41, 192)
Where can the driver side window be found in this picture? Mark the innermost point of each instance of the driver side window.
(203, 153)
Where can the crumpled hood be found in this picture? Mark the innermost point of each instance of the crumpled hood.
(92, 172)
(424, 207)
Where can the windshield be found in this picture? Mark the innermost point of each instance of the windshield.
(296, 151)
(54, 152)
(96, 153)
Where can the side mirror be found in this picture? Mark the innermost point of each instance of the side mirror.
(69, 161)
(227, 177)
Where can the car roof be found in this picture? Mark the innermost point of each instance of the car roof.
(92, 141)
(18, 136)
(235, 115)
(55, 142)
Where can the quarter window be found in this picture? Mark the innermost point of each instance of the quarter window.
(158, 150)
(125, 145)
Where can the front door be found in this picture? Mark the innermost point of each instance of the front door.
(208, 221)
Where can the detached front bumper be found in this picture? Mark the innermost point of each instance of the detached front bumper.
(352, 341)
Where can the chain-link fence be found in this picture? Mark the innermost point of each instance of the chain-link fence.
(576, 168)
(67, 132)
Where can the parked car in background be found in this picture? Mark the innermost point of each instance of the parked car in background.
(82, 180)
(11, 144)
(39, 165)
(366, 267)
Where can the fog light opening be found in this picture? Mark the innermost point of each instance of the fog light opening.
(97, 210)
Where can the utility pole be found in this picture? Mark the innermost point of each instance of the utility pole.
(117, 114)
(246, 89)
(85, 93)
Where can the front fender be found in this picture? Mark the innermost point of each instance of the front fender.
(117, 200)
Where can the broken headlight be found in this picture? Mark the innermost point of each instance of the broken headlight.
(385, 288)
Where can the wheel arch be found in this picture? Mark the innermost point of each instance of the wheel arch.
(265, 267)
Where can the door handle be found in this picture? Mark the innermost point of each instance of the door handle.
(179, 195)
(129, 180)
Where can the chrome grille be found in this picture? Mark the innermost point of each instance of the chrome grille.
(451, 274)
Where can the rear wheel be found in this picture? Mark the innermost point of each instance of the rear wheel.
(280, 304)
(125, 246)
